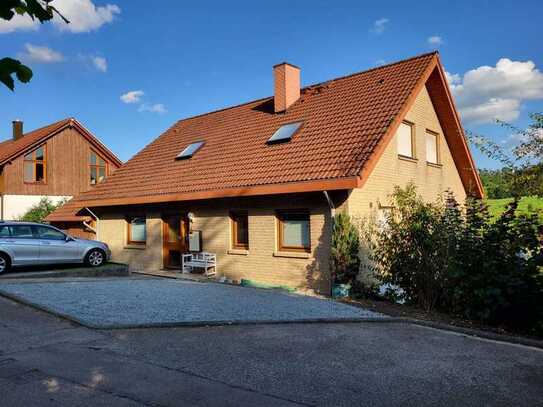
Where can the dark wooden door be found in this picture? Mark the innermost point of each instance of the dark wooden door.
(174, 241)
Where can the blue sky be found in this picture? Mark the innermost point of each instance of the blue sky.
(193, 58)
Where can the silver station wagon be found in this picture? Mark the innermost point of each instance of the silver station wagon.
(32, 244)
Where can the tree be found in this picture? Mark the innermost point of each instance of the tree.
(39, 211)
(35, 9)
(345, 245)
(523, 167)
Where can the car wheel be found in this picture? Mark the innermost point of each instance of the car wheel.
(5, 263)
(95, 258)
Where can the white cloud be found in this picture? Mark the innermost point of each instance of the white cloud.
(380, 62)
(134, 96)
(435, 41)
(154, 108)
(45, 55)
(18, 23)
(496, 92)
(490, 110)
(84, 15)
(100, 63)
(379, 25)
(453, 79)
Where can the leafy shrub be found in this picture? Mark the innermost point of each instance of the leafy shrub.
(39, 211)
(460, 261)
(497, 278)
(412, 249)
(344, 259)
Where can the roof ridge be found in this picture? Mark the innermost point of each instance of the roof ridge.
(401, 61)
(52, 125)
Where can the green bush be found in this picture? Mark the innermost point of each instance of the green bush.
(39, 211)
(344, 259)
(460, 261)
(497, 278)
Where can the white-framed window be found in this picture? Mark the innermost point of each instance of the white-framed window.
(405, 136)
(432, 153)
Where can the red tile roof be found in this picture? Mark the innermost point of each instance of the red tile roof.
(10, 149)
(345, 119)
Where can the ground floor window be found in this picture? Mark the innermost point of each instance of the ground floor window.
(293, 231)
(240, 230)
(137, 231)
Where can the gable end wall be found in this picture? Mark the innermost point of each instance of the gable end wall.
(391, 170)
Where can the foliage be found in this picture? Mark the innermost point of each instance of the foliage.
(523, 168)
(497, 278)
(344, 259)
(412, 249)
(459, 260)
(496, 183)
(39, 211)
(35, 9)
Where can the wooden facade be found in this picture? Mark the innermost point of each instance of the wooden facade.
(67, 167)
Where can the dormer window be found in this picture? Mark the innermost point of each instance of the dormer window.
(285, 133)
(190, 150)
(34, 165)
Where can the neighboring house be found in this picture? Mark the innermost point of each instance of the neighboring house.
(261, 180)
(56, 161)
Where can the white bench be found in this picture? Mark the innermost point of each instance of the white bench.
(199, 260)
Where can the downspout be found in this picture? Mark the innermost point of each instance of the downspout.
(89, 226)
(2, 206)
(332, 214)
(330, 204)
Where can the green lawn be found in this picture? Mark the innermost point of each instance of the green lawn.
(527, 204)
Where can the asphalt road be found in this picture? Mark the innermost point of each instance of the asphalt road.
(45, 361)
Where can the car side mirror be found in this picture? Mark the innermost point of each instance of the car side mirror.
(69, 238)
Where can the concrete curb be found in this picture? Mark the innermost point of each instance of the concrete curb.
(108, 270)
(444, 327)
(517, 340)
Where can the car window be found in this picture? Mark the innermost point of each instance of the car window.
(4, 231)
(21, 231)
(49, 233)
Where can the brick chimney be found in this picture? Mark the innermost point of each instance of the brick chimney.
(17, 129)
(286, 86)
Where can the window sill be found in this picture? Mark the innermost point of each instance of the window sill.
(239, 252)
(406, 158)
(294, 255)
(135, 246)
(435, 165)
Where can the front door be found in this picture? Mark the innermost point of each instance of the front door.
(174, 241)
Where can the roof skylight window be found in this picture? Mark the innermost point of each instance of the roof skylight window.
(190, 150)
(285, 133)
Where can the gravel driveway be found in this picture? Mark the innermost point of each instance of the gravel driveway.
(123, 303)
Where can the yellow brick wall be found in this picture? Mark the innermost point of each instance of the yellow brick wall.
(261, 263)
(112, 229)
(391, 170)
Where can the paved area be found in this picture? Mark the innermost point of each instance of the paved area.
(46, 361)
(126, 303)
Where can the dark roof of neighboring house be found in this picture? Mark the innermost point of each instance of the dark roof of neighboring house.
(11, 149)
(347, 123)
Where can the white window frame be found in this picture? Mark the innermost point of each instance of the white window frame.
(435, 135)
(401, 152)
